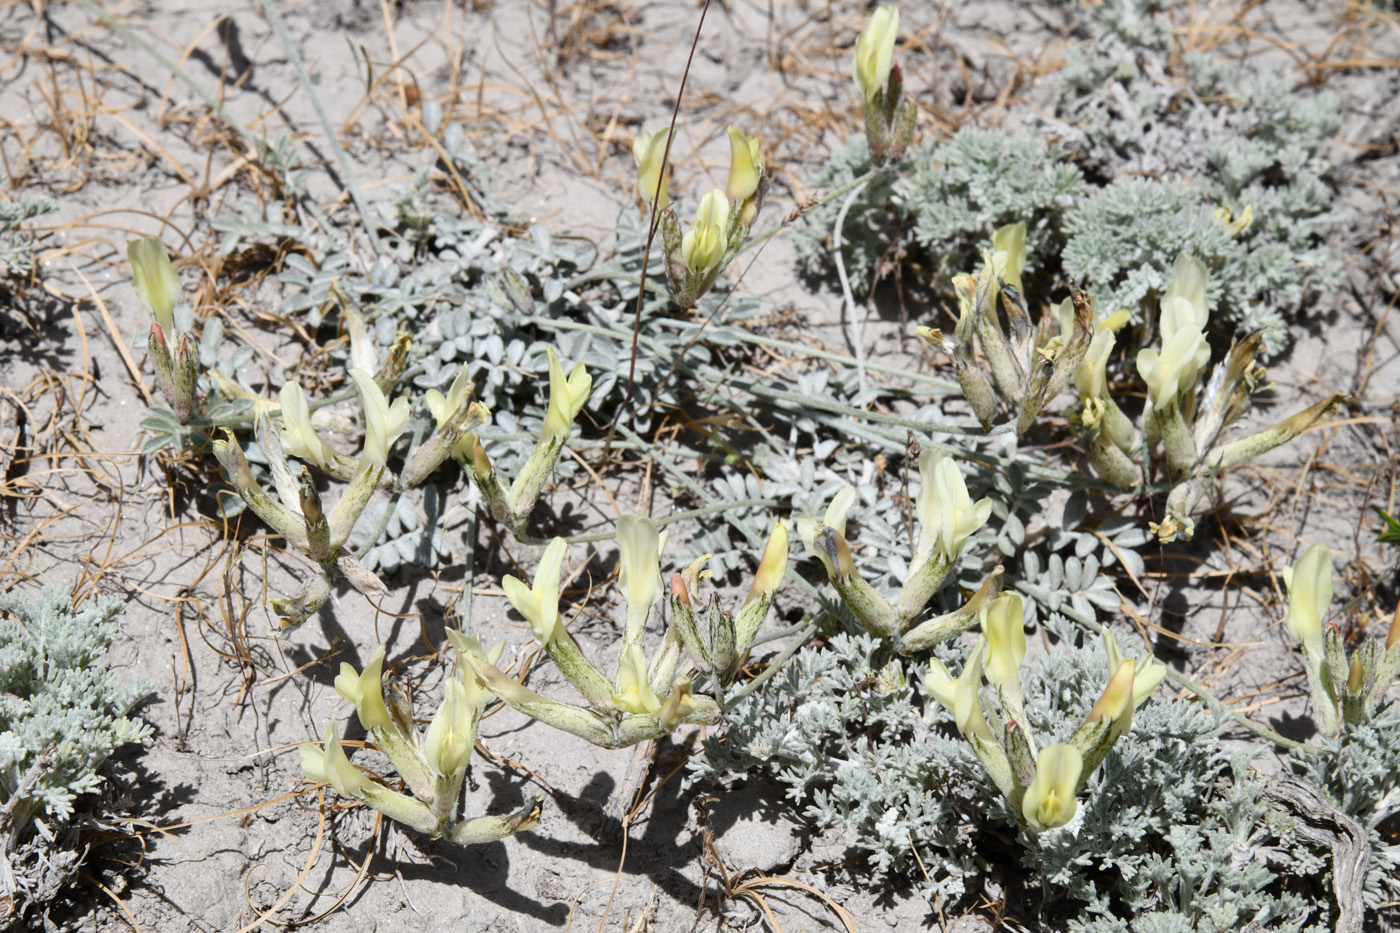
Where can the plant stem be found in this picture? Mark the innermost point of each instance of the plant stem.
(662, 522)
(351, 184)
(857, 329)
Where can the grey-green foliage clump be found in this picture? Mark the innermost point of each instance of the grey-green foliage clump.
(950, 198)
(870, 218)
(53, 691)
(17, 246)
(61, 716)
(1216, 137)
(1357, 771)
(1169, 828)
(980, 180)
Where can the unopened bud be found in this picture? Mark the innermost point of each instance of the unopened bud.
(186, 377)
(679, 591)
(318, 529)
(164, 365)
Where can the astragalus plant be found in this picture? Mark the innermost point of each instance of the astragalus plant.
(1041, 784)
(642, 700)
(1022, 366)
(696, 257)
(433, 765)
(947, 517)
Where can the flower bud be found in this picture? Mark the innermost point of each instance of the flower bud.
(639, 570)
(1003, 624)
(163, 363)
(745, 166)
(318, 530)
(1009, 253)
(649, 152)
(448, 744)
(1115, 705)
(1309, 585)
(772, 566)
(185, 378)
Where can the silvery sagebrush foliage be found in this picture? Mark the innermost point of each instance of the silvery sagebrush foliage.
(1356, 770)
(1354, 763)
(16, 245)
(51, 690)
(61, 716)
(1227, 144)
(949, 197)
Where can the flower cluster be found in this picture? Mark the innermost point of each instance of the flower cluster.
(1040, 784)
(512, 504)
(947, 518)
(695, 258)
(433, 766)
(296, 512)
(641, 701)
(1186, 413)
(1343, 693)
(1028, 366)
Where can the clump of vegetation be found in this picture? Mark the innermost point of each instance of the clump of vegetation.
(61, 716)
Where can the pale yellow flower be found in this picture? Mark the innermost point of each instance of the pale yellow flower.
(704, 244)
(649, 152)
(1050, 800)
(745, 166)
(155, 281)
(540, 604)
(874, 52)
(634, 693)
